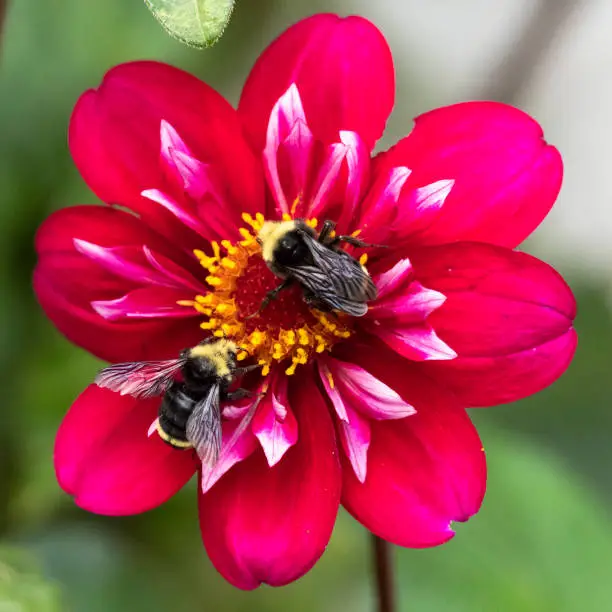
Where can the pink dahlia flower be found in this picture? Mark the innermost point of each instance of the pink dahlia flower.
(365, 412)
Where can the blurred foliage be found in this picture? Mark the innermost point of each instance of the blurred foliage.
(21, 587)
(198, 23)
(542, 540)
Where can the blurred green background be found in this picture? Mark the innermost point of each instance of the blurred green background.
(543, 540)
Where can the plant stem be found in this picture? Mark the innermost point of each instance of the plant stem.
(383, 566)
(524, 55)
(2, 13)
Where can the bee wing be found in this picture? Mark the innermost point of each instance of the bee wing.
(141, 379)
(335, 278)
(204, 427)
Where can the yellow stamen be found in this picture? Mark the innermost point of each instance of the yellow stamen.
(290, 371)
(295, 204)
(202, 310)
(229, 247)
(363, 260)
(257, 338)
(287, 337)
(330, 379)
(228, 263)
(213, 280)
(225, 308)
(303, 336)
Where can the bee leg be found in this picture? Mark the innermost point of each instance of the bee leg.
(326, 230)
(271, 295)
(245, 369)
(312, 301)
(238, 394)
(353, 241)
(208, 340)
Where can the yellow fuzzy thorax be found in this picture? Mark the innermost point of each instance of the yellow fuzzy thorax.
(217, 353)
(269, 235)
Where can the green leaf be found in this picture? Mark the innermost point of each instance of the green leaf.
(198, 23)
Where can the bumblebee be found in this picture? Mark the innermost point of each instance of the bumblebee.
(331, 279)
(189, 413)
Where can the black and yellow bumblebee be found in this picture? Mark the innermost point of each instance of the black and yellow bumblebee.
(330, 277)
(189, 413)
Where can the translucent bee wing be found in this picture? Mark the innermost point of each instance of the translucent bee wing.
(141, 379)
(204, 427)
(335, 279)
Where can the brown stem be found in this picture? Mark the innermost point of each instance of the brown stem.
(510, 77)
(383, 566)
(2, 14)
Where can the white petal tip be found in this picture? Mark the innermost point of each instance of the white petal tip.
(152, 428)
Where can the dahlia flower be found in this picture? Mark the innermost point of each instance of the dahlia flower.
(367, 412)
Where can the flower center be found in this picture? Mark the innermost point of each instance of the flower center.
(286, 330)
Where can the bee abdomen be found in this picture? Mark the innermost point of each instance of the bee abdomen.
(174, 411)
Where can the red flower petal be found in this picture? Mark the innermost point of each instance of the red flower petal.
(349, 386)
(415, 342)
(66, 282)
(112, 341)
(309, 179)
(115, 138)
(424, 471)
(506, 176)
(418, 208)
(401, 298)
(130, 263)
(106, 460)
(262, 524)
(355, 435)
(100, 225)
(488, 381)
(232, 451)
(507, 315)
(274, 424)
(146, 303)
(288, 150)
(334, 62)
(379, 209)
